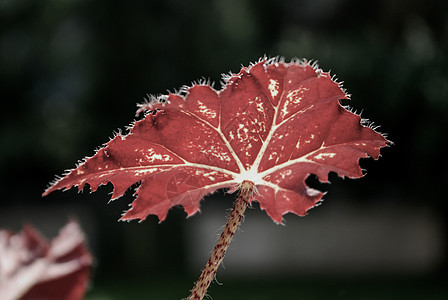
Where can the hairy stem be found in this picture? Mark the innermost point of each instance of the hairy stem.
(209, 271)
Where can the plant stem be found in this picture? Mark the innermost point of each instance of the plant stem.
(209, 271)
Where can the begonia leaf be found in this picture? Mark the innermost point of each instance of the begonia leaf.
(274, 123)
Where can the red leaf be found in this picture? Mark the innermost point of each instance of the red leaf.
(32, 268)
(274, 123)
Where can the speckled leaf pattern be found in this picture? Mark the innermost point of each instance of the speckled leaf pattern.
(274, 123)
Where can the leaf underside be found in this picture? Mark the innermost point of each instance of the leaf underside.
(274, 123)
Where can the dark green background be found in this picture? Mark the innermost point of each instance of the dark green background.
(71, 72)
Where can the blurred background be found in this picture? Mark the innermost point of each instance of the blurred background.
(72, 71)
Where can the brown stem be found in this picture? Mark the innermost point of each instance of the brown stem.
(209, 271)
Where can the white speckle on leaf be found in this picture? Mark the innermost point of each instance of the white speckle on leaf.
(203, 109)
(206, 174)
(285, 173)
(216, 152)
(150, 155)
(293, 98)
(321, 156)
(259, 104)
(242, 132)
(285, 110)
(232, 137)
(272, 155)
(273, 87)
